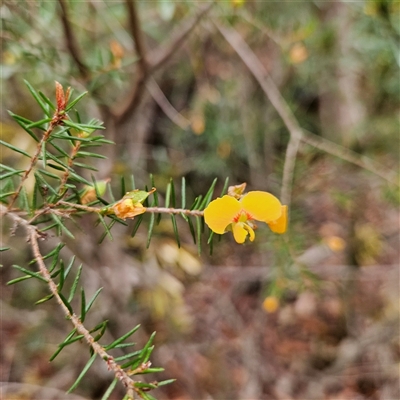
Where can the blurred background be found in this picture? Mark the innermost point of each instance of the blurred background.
(193, 89)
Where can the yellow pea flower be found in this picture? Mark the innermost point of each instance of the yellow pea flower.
(229, 213)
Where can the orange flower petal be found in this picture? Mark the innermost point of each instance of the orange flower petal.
(280, 225)
(239, 232)
(220, 213)
(262, 206)
(126, 209)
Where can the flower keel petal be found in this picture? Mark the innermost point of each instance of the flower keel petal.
(239, 232)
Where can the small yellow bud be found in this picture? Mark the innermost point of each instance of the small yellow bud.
(270, 304)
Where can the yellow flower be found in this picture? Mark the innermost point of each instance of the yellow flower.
(270, 304)
(126, 208)
(230, 213)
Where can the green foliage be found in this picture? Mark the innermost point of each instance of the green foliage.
(52, 201)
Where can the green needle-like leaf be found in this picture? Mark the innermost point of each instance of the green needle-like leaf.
(175, 226)
(22, 122)
(8, 174)
(126, 356)
(83, 305)
(44, 299)
(16, 149)
(66, 303)
(75, 284)
(89, 306)
(208, 196)
(38, 99)
(82, 374)
(166, 382)
(122, 338)
(225, 188)
(198, 226)
(110, 389)
(123, 187)
(136, 227)
(191, 228)
(47, 100)
(36, 275)
(38, 123)
(69, 267)
(62, 276)
(151, 226)
(61, 346)
(75, 101)
(173, 202)
(16, 280)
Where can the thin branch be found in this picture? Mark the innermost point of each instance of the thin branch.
(162, 54)
(71, 41)
(161, 210)
(268, 86)
(159, 97)
(33, 236)
(297, 134)
(164, 210)
(137, 34)
(156, 59)
(54, 122)
(350, 156)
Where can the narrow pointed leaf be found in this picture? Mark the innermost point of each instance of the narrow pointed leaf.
(16, 149)
(198, 226)
(36, 275)
(83, 305)
(92, 300)
(44, 299)
(208, 196)
(136, 227)
(62, 276)
(110, 389)
(8, 174)
(47, 100)
(225, 188)
(175, 226)
(23, 122)
(38, 99)
(122, 338)
(38, 123)
(16, 280)
(75, 284)
(151, 226)
(69, 267)
(60, 347)
(82, 374)
(126, 356)
(166, 382)
(75, 101)
(66, 303)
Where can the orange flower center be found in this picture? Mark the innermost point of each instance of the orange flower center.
(242, 216)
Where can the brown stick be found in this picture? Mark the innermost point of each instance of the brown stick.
(268, 85)
(71, 41)
(156, 59)
(33, 236)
